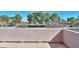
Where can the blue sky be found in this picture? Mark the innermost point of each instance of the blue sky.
(63, 14)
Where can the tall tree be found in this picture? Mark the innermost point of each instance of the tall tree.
(4, 18)
(17, 18)
(55, 17)
(1, 20)
(38, 17)
(73, 21)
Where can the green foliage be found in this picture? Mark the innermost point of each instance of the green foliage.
(7, 19)
(73, 21)
(17, 18)
(38, 17)
(55, 17)
(4, 18)
(22, 26)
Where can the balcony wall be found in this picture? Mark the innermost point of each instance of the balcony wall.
(28, 34)
(71, 38)
(30, 37)
(39, 37)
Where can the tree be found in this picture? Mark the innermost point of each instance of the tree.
(43, 18)
(1, 19)
(38, 17)
(63, 21)
(4, 19)
(17, 18)
(46, 17)
(55, 17)
(73, 21)
(31, 18)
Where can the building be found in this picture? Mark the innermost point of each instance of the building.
(24, 21)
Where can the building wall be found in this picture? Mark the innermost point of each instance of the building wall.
(58, 38)
(38, 37)
(71, 38)
(28, 34)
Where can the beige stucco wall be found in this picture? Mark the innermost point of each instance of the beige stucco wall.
(71, 38)
(36, 37)
(33, 37)
(58, 38)
(24, 45)
(28, 34)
